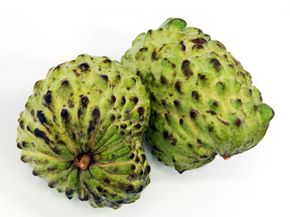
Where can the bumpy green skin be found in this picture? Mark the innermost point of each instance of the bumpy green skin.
(203, 102)
(88, 106)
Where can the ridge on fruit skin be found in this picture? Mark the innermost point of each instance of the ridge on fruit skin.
(82, 129)
(203, 102)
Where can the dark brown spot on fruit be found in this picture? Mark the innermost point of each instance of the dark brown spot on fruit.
(138, 126)
(211, 112)
(239, 101)
(238, 122)
(190, 145)
(113, 99)
(128, 188)
(176, 103)
(105, 77)
(139, 189)
(173, 141)
(41, 134)
(100, 189)
(165, 134)
(64, 114)
(24, 144)
(163, 79)
(65, 83)
(210, 128)
(84, 101)
(216, 64)
(137, 159)
(135, 99)
(123, 100)
(183, 47)
(185, 66)
(154, 55)
(152, 97)
(215, 103)
(21, 123)
(143, 49)
(255, 107)
(41, 117)
(143, 157)
(57, 67)
(29, 129)
(107, 61)
(113, 117)
(84, 67)
(69, 193)
(147, 170)
(35, 173)
(181, 121)
(47, 97)
(19, 145)
(177, 86)
(199, 142)
(195, 95)
(52, 184)
(140, 111)
(80, 112)
(197, 46)
(95, 119)
(132, 155)
(220, 85)
(133, 167)
(193, 114)
(23, 159)
(96, 113)
(250, 92)
(107, 180)
(199, 41)
(202, 77)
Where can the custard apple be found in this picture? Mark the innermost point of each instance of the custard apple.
(82, 129)
(203, 102)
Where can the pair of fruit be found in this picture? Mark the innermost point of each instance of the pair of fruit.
(83, 126)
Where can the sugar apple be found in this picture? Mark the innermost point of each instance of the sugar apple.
(203, 102)
(82, 128)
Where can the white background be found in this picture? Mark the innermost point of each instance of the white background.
(35, 35)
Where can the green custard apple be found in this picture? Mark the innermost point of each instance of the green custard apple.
(82, 130)
(203, 102)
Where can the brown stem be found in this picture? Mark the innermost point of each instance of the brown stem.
(84, 162)
(226, 156)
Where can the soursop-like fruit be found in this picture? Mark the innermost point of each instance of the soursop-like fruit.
(82, 129)
(203, 102)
